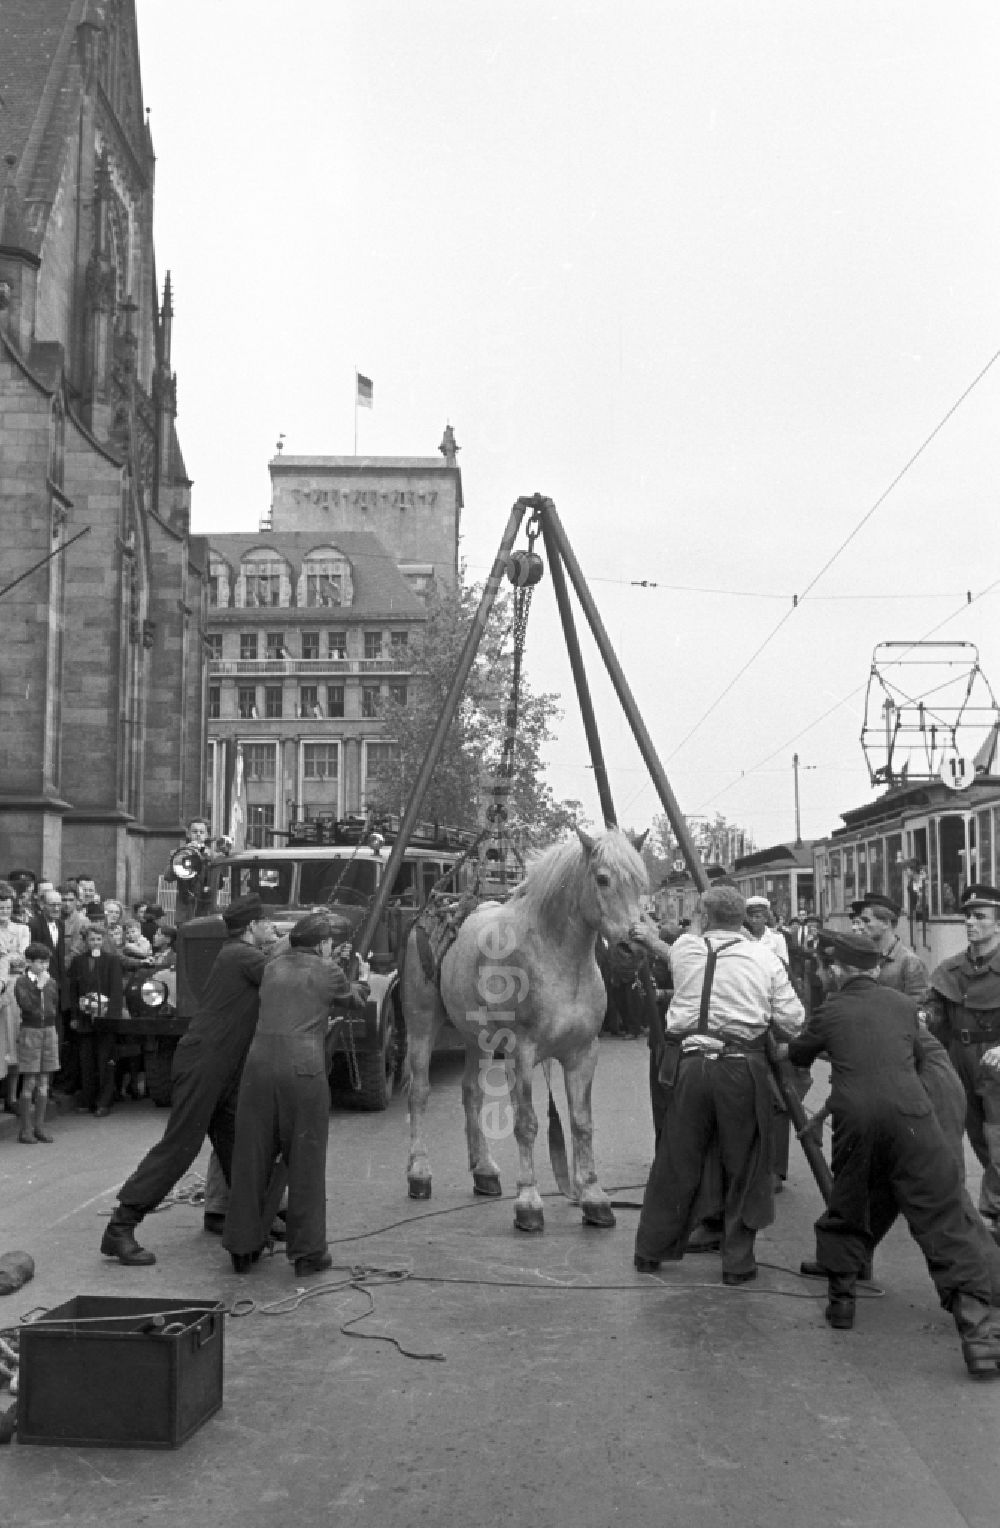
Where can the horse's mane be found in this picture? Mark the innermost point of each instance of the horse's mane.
(551, 888)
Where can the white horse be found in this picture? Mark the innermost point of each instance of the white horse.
(521, 980)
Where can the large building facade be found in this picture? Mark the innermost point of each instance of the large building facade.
(101, 667)
(314, 621)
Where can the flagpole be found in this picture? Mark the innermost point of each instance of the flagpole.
(355, 411)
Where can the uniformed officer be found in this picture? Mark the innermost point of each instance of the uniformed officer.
(964, 1012)
(888, 1148)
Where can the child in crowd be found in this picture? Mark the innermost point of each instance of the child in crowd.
(37, 996)
(136, 944)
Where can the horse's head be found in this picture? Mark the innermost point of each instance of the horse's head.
(615, 878)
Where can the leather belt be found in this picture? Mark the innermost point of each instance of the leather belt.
(978, 1034)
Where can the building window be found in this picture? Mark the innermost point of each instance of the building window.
(323, 585)
(213, 645)
(335, 700)
(214, 702)
(246, 702)
(262, 584)
(272, 701)
(248, 646)
(258, 762)
(399, 643)
(373, 644)
(398, 694)
(309, 700)
(213, 589)
(319, 761)
(337, 644)
(370, 694)
(381, 768)
(275, 644)
(260, 826)
(310, 644)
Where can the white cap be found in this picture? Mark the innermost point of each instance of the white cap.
(757, 902)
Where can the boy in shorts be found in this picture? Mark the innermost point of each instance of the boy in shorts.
(37, 996)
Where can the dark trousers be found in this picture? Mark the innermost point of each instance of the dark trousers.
(712, 1101)
(205, 1085)
(96, 1052)
(887, 1163)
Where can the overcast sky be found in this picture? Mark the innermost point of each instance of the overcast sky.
(707, 274)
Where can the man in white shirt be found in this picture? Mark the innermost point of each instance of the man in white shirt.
(758, 909)
(729, 992)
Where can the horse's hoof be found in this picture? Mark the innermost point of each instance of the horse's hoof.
(419, 1188)
(527, 1217)
(487, 1184)
(598, 1215)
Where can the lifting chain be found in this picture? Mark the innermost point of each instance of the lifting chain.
(524, 569)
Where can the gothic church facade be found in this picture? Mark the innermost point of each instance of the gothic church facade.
(103, 590)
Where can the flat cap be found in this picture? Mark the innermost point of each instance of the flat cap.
(856, 908)
(980, 896)
(239, 915)
(849, 948)
(876, 899)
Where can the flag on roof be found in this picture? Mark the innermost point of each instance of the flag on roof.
(365, 393)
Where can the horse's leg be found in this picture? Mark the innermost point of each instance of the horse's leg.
(484, 1170)
(528, 1215)
(423, 1012)
(579, 1077)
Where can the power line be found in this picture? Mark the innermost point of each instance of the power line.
(833, 557)
(754, 768)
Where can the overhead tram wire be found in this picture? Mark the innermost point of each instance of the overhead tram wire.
(834, 555)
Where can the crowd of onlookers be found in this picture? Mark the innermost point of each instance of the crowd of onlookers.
(67, 957)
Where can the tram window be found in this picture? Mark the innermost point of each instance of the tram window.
(894, 867)
(850, 884)
(836, 883)
(984, 844)
(862, 869)
(876, 865)
(951, 839)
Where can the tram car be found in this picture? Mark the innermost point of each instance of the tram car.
(919, 844)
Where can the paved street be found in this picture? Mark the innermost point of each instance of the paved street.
(594, 1397)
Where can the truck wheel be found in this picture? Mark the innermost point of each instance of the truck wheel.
(376, 1075)
(158, 1085)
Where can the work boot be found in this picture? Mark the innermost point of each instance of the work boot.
(119, 1240)
(27, 1135)
(41, 1104)
(840, 1306)
(979, 1328)
(313, 1262)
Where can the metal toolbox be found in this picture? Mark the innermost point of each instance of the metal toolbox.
(118, 1372)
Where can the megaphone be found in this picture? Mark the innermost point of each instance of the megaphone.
(188, 862)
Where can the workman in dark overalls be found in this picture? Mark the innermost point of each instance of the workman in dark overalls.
(963, 1011)
(205, 1077)
(284, 1103)
(888, 1148)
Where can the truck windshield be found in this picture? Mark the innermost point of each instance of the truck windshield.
(337, 880)
(272, 882)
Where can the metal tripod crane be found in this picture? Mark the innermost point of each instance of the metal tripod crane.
(562, 562)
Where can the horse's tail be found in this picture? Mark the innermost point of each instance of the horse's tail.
(557, 1141)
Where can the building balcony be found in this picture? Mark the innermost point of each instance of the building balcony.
(255, 668)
